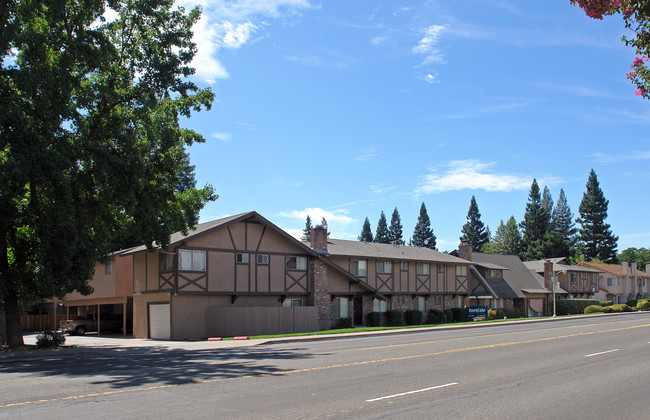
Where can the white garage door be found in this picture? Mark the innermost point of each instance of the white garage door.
(159, 321)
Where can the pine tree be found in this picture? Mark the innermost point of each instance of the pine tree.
(366, 232)
(474, 231)
(560, 239)
(306, 232)
(547, 201)
(598, 240)
(395, 229)
(423, 234)
(507, 239)
(323, 223)
(534, 225)
(381, 234)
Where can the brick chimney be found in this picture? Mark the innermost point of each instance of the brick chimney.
(319, 239)
(465, 251)
(322, 299)
(548, 275)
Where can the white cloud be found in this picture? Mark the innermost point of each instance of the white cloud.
(368, 154)
(378, 40)
(316, 214)
(470, 174)
(428, 45)
(430, 78)
(222, 136)
(377, 189)
(478, 111)
(629, 157)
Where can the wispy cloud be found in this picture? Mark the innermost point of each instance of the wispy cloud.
(428, 45)
(326, 58)
(368, 154)
(246, 125)
(474, 111)
(378, 40)
(222, 136)
(338, 221)
(378, 189)
(470, 174)
(232, 24)
(430, 78)
(635, 155)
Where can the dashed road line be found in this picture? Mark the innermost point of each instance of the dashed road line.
(412, 392)
(602, 352)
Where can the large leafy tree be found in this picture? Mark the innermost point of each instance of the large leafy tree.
(636, 16)
(595, 234)
(641, 256)
(366, 232)
(422, 233)
(91, 149)
(474, 231)
(534, 225)
(382, 234)
(560, 237)
(507, 238)
(395, 234)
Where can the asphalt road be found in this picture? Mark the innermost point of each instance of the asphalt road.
(584, 368)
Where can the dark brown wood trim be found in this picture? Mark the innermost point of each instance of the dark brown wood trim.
(259, 243)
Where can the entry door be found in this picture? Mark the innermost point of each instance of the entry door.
(358, 311)
(159, 321)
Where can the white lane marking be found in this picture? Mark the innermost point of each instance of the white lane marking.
(602, 352)
(412, 392)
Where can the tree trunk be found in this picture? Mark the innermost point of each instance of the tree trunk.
(12, 317)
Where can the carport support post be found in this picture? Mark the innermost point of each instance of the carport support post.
(99, 309)
(124, 318)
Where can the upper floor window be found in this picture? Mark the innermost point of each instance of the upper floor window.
(422, 268)
(108, 268)
(166, 262)
(404, 266)
(242, 258)
(495, 273)
(610, 281)
(359, 267)
(296, 263)
(583, 276)
(594, 279)
(263, 259)
(384, 267)
(574, 278)
(191, 260)
(441, 268)
(461, 270)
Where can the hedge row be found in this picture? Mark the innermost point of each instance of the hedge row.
(574, 306)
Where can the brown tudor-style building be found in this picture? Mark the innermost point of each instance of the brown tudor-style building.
(243, 275)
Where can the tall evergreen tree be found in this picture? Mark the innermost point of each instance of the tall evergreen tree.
(598, 240)
(382, 235)
(395, 229)
(306, 232)
(547, 201)
(507, 239)
(366, 232)
(534, 225)
(423, 234)
(560, 238)
(474, 231)
(323, 223)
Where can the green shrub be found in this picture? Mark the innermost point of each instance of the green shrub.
(643, 306)
(618, 308)
(591, 309)
(393, 318)
(492, 314)
(374, 319)
(460, 314)
(436, 316)
(632, 302)
(500, 314)
(449, 315)
(413, 317)
(50, 339)
(512, 313)
(606, 303)
(343, 323)
(574, 306)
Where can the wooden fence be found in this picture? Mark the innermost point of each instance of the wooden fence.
(226, 321)
(41, 322)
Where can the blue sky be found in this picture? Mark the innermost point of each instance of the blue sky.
(345, 109)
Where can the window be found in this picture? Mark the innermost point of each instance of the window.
(459, 301)
(583, 276)
(461, 270)
(404, 266)
(437, 299)
(108, 269)
(384, 267)
(594, 279)
(418, 303)
(166, 262)
(341, 307)
(288, 303)
(263, 259)
(191, 260)
(422, 268)
(610, 281)
(498, 303)
(441, 268)
(296, 263)
(379, 305)
(358, 267)
(641, 282)
(495, 273)
(574, 278)
(242, 258)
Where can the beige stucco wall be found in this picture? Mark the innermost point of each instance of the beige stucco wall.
(140, 308)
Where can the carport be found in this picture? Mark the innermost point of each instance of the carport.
(99, 306)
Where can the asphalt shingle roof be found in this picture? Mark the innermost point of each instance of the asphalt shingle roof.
(559, 264)
(340, 247)
(515, 280)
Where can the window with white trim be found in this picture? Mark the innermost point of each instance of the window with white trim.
(263, 259)
(422, 268)
(359, 267)
(594, 279)
(495, 273)
(242, 258)
(341, 307)
(459, 301)
(191, 260)
(379, 305)
(610, 281)
(296, 263)
(461, 270)
(404, 266)
(384, 267)
(419, 303)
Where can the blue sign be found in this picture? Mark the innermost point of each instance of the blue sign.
(477, 312)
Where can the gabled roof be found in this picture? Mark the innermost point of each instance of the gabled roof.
(616, 269)
(517, 279)
(559, 264)
(340, 248)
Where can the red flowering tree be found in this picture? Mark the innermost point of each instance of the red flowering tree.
(636, 15)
